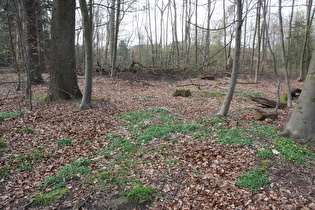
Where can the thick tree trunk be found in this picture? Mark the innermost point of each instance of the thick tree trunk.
(31, 8)
(302, 120)
(63, 78)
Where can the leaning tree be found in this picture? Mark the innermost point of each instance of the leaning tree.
(302, 120)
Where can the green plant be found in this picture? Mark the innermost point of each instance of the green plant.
(207, 94)
(265, 153)
(213, 121)
(253, 180)
(67, 172)
(3, 144)
(291, 151)
(11, 115)
(234, 136)
(40, 97)
(48, 198)
(141, 194)
(27, 130)
(64, 142)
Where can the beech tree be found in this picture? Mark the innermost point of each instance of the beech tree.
(229, 95)
(87, 34)
(302, 120)
(63, 78)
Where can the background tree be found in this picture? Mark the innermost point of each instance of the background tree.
(32, 16)
(87, 34)
(303, 61)
(302, 120)
(229, 95)
(63, 78)
(284, 58)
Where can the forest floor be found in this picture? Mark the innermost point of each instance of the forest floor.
(141, 148)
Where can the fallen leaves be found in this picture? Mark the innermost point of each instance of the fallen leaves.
(190, 174)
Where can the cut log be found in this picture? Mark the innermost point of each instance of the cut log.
(264, 114)
(267, 103)
(207, 76)
(182, 92)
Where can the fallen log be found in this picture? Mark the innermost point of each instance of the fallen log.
(264, 114)
(267, 103)
(182, 92)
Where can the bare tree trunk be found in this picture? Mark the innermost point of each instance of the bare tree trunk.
(115, 40)
(175, 33)
(259, 37)
(244, 40)
(290, 37)
(13, 48)
(272, 53)
(196, 33)
(303, 64)
(31, 14)
(229, 95)
(224, 36)
(302, 120)
(63, 78)
(112, 36)
(284, 58)
(87, 34)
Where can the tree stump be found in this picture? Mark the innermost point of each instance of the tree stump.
(207, 76)
(182, 92)
(264, 114)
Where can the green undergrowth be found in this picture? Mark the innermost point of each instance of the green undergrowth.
(147, 135)
(255, 180)
(26, 161)
(160, 123)
(207, 94)
(57, 183)
(11, 115)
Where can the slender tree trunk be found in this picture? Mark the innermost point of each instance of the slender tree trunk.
(272, 53)
(259, 37)
(196, 33)
(24, 56)
(13, 48)
(290, 37)
(175, 33)
(229, 95)
(112, 36)
(303, 66)
(284, 58)
(224, 36)
(116, 30)
(87, 34)
(207, 44)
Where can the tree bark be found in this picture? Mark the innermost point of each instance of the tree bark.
(303, 64)
(87, 34)
(228, 98)
(264, 114)
(302, 120)
(31, 8)
(284, 58)
(63, 78)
